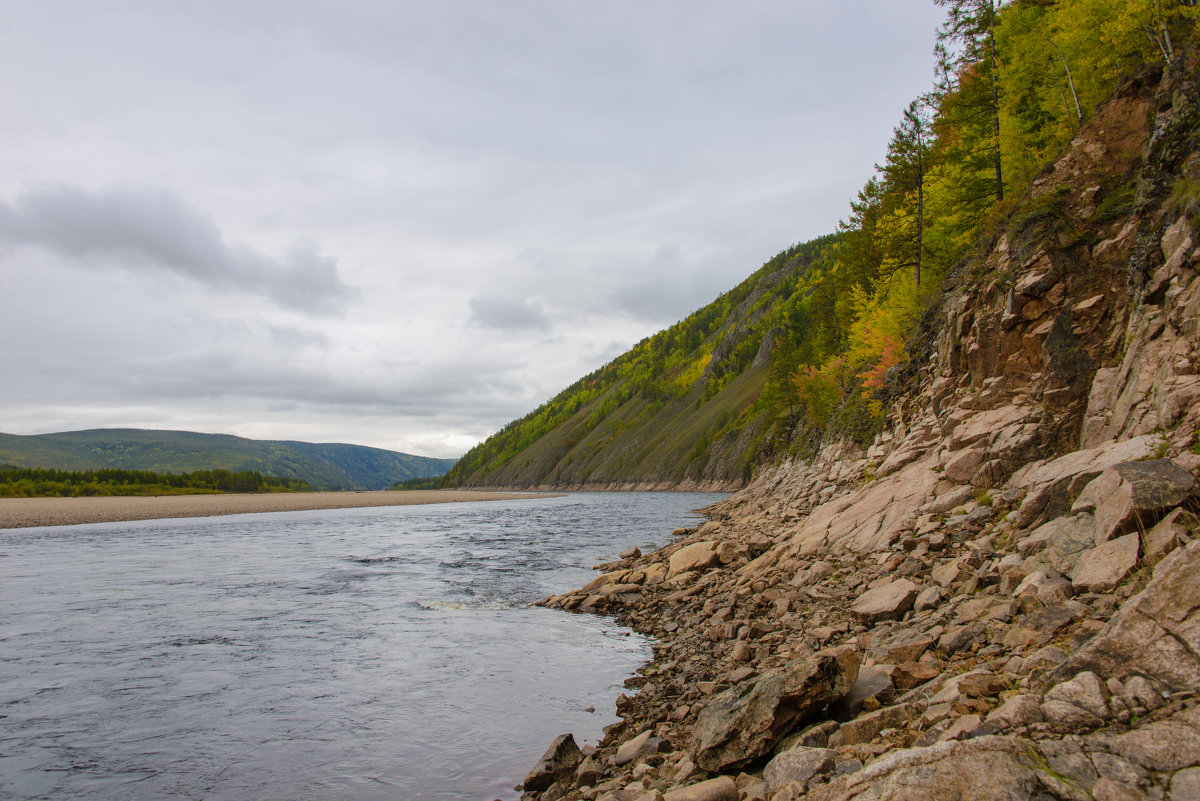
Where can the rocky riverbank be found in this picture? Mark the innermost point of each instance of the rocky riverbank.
(1000, 598)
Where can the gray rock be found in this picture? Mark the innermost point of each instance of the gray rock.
(798, 765)
(747, 721)
(558, 762)
(887, 602)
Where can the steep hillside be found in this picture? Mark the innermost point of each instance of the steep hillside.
(682, 408)
(997, 598)
(322, 465)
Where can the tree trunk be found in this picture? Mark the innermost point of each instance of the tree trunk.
(995, 117)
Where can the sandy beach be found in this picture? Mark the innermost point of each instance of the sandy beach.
(25, 512)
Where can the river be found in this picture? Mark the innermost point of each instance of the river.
(350, 654)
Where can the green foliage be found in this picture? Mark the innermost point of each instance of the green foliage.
(35, 482)
(321, 465)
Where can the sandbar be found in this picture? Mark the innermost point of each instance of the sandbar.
(26, 512)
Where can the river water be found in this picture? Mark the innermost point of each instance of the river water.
(351, 654)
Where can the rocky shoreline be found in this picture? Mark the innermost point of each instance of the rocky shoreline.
(1000, 597)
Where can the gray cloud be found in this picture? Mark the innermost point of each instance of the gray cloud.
(508, 313)
(152, 230)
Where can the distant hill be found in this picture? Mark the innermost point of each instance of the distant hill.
(326, 466)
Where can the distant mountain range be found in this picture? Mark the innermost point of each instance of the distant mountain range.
(324, 465)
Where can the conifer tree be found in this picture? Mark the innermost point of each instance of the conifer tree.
(967, 42)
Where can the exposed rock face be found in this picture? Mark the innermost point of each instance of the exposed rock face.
(1015, 562)
(558, 762)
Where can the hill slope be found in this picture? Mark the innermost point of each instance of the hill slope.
(322, 465)
(684, 407)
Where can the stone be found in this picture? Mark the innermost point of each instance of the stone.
(1155, 633)
(798, 765)
(644, 745)
(964, 464)
(1185, 785)
(557, 763)
(587, 773)
(991, 768)
(1135, 495)
(1059, 543)
(1106, 789)
(905, 645)
(865, 728)
(1019, 710)
(1103, 568)
(1176, 529)
(694, 557)
(630, 553)
(722, 788)
(1084, 692)
(887, 602)
(928, 598)
(907, 675)
(747, 721)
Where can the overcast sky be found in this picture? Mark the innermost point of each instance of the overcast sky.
(403, 224)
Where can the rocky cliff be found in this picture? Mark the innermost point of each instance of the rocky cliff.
(1000, 598)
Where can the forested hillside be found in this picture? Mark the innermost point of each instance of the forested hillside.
(320, 465)
(812, 344)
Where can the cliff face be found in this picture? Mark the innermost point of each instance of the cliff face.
(1000, 598)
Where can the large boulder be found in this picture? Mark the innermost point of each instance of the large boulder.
(1135, 495)
(747, 721)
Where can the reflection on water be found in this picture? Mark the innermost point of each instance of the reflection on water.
(383, 653)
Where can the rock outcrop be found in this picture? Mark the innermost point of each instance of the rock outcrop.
(1000, 598)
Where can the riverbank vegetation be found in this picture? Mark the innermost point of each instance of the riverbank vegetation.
(36, 482)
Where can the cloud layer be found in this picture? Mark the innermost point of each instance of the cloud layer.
(152, 230)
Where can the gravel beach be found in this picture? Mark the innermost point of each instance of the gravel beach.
(25, 512)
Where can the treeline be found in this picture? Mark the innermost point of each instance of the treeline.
(1014, 83)
(34, 482)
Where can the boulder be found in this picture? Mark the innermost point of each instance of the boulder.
(1135, 495)
(694, 557)
(558, 762)
(747, 721)
(887, 602)
(1155, 633)
(798, 765)
(645, 744)
(1102, 568)
(722, 788)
